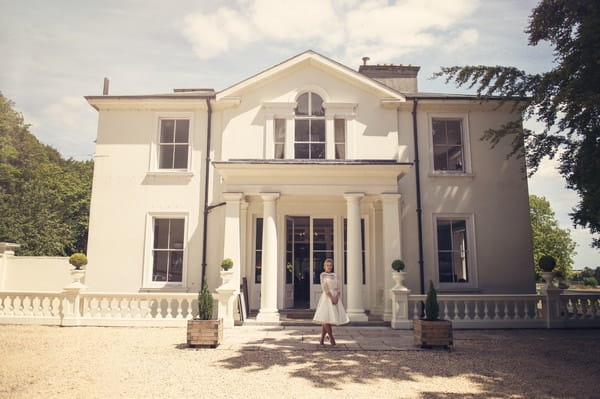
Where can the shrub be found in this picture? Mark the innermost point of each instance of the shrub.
(432, 308)
(398, 265)
(226, 264)
(78, 260)
(547, 263)
(205, 303)
(590, 281)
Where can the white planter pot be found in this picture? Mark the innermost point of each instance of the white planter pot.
(548, 277)
(399, 280)
(226, 276)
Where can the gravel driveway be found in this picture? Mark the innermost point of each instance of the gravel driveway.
(96, 362)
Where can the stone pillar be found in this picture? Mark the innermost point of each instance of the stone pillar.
(71, 306)
(232, 241)
(391, 245)
(354, 303)
(399, 297)
(268, 290)
(7, 250)
(226, 296)
(552, 307)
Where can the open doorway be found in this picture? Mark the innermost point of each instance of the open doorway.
(309, 241)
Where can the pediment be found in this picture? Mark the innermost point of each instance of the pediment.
(320, 65)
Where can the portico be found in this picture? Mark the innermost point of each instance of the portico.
(299, 213)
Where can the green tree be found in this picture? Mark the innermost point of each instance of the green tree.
(549, 238)
(566, 99)
(44, 199)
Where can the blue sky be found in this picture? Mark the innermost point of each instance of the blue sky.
(55, 52)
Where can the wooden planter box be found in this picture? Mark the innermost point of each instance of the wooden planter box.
(204, 333)
(432, 333)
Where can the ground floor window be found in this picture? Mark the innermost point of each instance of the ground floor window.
(452, 250)
(167, 250)
(258, 250)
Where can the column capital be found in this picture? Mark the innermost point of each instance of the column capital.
(270, 196)
(233, 196)
(388, 197)
(353, 196)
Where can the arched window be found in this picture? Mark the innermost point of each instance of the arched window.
(309, 132)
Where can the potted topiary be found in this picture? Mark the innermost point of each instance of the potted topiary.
(226, 272)
(78, 260)
(226, 264)
(204, 331)
(398, 265)
(547, 264)
(398, 273)
(432, 331)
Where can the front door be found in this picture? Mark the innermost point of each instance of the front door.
(309, 241)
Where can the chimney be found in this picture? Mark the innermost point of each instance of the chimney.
(105, 88)
(399, 77)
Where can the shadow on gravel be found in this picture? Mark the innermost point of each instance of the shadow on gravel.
(500, 364)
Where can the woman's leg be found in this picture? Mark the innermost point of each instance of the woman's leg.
(323, 331)
(330, 332)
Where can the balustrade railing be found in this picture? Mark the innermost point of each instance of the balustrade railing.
(485, 311)
(552, 309)
(580, 310)
(156, 309)
(31, 307)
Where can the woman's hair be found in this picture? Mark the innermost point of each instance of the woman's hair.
(328, 260)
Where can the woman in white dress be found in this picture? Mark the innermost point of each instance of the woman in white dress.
(330, 310)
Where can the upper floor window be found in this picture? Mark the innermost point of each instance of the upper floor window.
(448, 145)
(279, 138)
(309, 129)
(173, 148)
(340, 138)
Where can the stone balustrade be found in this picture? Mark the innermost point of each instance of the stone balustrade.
(75, 306)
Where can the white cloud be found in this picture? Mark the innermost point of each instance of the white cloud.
(467, 37)
(378, 28)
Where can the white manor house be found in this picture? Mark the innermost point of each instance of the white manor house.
(305, 161)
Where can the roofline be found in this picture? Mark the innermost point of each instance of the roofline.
(465, 97)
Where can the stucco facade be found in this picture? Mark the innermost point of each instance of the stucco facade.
(307, 160)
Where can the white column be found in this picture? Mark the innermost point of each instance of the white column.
(392, 248)
(268, 291)
(244, 270)
(354, 303)
(232, 241)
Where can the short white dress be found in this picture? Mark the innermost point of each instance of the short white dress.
(327, 312)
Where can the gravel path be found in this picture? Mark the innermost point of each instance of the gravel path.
(94, 362)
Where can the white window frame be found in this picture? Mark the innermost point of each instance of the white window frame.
(155, 143)
(312, 118)
(471, 250)
(149, 247)
(466, 144)
(285, 110)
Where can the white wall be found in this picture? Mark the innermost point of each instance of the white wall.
(126, 191)
(35, 273)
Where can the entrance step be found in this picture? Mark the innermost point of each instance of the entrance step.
(303, 317)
